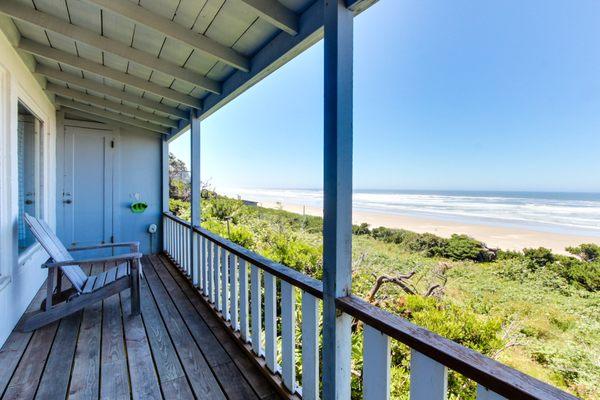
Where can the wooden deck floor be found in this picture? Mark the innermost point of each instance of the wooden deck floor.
(176, 349)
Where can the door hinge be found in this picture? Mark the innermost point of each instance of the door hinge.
(112, 144)
(112, 239)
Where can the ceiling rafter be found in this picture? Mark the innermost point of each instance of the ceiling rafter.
(90, 66)
(108, 91)
(199, 42)
(61, 101)
(276, 14)
(111, 105)
(96, 118)
(91, 38)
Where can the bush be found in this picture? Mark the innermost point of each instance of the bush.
(586, 274)
(294, 253)
(538, 258)
(180, 208)
(587, 251)
(222, 208)
(362, 229)
(463, 247)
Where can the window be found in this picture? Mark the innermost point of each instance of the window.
(29, 153)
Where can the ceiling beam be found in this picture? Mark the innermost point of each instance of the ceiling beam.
(108, 91)
(74, 61)
(96, 118)
(109, 115)
(111, 105)
(357, 6)
(62, 27)
(199, 42)
(276, 14)
(281, 49)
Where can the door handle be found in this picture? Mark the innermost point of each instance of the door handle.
(28, 202)
(67, 201)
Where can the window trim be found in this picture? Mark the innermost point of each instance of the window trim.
(39, 178)
(23, 97)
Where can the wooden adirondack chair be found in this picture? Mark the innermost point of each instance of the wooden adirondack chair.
(85, 289)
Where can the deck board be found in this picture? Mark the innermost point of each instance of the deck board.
(174, 350)
(229, 376)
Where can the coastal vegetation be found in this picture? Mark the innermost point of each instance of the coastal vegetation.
(534, 310)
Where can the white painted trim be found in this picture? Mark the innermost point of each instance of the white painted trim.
(21, 280)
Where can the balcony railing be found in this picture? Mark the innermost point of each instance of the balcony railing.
(240, 284)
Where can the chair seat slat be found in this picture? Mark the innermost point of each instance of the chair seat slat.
(89, 284)
(122, 271)
(100, 278)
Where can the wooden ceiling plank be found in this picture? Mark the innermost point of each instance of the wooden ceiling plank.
(99, 69)
(201, 43)
(108, 91)
(61, 101)
(60, 26)
(111, 105)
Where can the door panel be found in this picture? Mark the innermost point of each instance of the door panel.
(88, 187)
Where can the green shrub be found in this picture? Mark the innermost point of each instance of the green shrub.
(362, 229)
(538, 258)
(587, 251)
(294, 253)
(180, 208)
(222, 208)
(463, 247)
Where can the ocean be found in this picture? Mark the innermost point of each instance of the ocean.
(569, 213)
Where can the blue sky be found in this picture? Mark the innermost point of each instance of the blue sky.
(496, 95)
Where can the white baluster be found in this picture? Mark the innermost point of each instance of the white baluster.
(310, 347)
(214, 295)
(270, 323)
(224, 306)
(233, 292)
(428, 378)
(204, 264)
(243, 274)
(288, 335)
(217, 278)
(376, 364)
(486, 394)
(255, 299)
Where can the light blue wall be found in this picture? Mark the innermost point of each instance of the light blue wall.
(138, 170)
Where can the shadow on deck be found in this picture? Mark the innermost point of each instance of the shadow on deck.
(177, 349)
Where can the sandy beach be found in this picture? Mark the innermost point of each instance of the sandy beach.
(493, 236)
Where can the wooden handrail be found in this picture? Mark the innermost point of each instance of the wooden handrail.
(293, 277)
(493, 375)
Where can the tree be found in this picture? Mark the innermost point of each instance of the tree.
(179, 179)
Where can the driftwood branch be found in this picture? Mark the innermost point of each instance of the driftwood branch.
(399, 280)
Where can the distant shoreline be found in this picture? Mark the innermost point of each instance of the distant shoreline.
(506, 238)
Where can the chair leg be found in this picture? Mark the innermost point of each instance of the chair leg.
(135, 287)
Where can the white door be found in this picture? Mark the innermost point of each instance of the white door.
(87, 196)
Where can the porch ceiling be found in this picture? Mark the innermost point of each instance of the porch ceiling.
(150, 62)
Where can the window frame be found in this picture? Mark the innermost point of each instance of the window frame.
(41, 175)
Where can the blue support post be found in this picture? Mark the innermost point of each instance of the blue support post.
(337, 224)
(165, 186)
(196, 192)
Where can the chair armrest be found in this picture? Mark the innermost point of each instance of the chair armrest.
(121, 257)
(134, 246)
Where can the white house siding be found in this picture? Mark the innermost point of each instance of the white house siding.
(20, 276)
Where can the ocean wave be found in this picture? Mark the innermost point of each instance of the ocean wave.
(571, 212)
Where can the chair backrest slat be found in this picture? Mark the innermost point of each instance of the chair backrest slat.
(53, 246)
